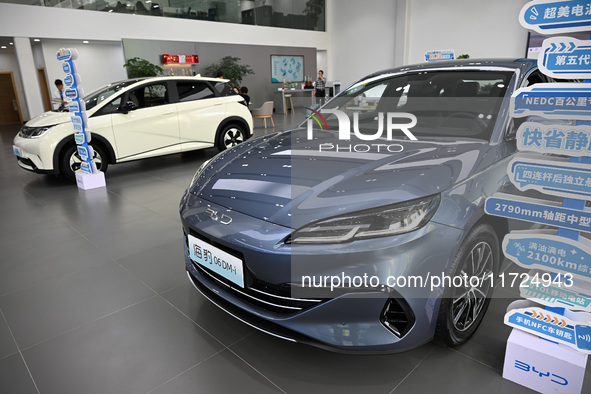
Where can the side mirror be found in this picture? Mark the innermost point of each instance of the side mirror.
(128, 106)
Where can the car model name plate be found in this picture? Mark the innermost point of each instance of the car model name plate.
(215, 259)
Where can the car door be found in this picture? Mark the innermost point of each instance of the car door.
(200, 111)
(151, 128)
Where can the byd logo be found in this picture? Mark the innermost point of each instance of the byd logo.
(345, 130)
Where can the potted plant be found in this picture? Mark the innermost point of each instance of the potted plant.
(141, 68)
(231, 68)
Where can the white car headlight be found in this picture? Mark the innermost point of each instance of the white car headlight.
(33, 132)
(383, 221)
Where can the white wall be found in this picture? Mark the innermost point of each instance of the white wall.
(98, 63)
(8, 64)
(480, 28)
(363, 37)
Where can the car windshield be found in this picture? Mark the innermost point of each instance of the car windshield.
(100, 95)
(463, 104)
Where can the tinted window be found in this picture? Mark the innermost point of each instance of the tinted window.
(149, 95)
(189, 91)
(100, 95)
(459, 103)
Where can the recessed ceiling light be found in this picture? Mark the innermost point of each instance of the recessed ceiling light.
(37, 40)
(12, 43)
(3, 47)
(85, 42)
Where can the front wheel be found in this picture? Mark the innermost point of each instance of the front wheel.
(230, 136)
(463, 307)
(70, 161)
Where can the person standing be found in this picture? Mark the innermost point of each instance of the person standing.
(319, 86)
(58, 97)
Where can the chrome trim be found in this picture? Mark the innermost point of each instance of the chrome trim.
(294, 308)
(236, 317)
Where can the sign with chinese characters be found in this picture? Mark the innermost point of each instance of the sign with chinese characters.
(551, 176)
(549, 252)
(537, 211)
(558, 139)
(566, 58)
(447, 54)
(553, 100)
(551, 326)
(555, 296)
(180, 59)
(77, 108)
(554, 17)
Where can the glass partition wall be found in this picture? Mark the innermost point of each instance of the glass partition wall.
(294, 14)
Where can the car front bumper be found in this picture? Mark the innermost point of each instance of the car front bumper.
(33, 155)
(346, 320)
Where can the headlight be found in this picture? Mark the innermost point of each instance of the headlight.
(33, 132)
(371, 223)
(201, 168)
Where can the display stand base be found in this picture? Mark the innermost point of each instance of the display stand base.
(543, 366)
(90, 181)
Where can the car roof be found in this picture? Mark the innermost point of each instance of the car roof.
(523, 64)
(169, 77)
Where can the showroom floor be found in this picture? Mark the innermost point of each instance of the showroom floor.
(94, 299)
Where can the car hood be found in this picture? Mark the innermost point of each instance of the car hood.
(287, 180)
(49, 118)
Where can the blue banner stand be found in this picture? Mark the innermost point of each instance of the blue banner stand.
(530, 360)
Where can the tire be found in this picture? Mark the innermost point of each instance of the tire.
(463, 308)
(231, 135)
(70, 161)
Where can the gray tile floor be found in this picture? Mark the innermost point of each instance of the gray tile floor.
(94, 299)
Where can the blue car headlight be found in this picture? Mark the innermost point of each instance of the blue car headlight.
(383, 221)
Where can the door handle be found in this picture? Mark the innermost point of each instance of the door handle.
(14, 105)
(168, 113)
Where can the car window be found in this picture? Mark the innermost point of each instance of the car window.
(151, 95)
(111, 107)
(223, 89)
(104, 93)
(189, 91)
(533, 78)
(462, 103)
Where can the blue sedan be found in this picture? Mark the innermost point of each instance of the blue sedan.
(363, 230)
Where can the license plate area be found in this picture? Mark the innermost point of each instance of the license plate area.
(17, 151)
(216, 260)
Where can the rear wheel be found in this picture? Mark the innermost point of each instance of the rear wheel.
(463, 307)
(231, 135)
(70, 161)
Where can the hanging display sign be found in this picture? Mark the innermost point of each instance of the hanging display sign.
(180, 59)
(552, 326)
(550, 252)
(566, 58)
(556, 17)
(558, 139)
(553, 100)
(538, 211)
(555, 177)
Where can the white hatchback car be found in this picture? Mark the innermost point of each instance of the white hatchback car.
(136, 119)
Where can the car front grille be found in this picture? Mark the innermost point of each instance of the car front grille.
(273, 298)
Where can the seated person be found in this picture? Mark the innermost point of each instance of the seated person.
(244, 93)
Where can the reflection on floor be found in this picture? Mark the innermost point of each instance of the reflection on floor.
(94, 299)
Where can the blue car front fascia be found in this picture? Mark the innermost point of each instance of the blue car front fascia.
(349, 322)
